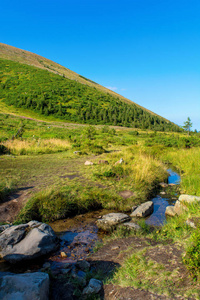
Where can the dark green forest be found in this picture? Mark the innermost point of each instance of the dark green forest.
(49, 94)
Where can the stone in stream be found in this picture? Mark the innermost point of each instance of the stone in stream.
(143, 210)
(94, 287)
(170, 211)
(182, 200)
(22, 242)
(24, 286)
(109, 221)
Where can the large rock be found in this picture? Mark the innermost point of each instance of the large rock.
(144, 210)
(170, 211)
(4, 227)
(183, 200)
(28, 286)
(24, 242)
(94, 287)
(188, 198)
(109, 221)
(12, 235)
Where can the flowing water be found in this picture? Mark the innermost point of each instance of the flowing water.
(80, 234)
(164, 199)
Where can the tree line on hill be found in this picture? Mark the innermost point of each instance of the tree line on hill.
(49, 94)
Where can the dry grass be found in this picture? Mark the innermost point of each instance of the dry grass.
(24, 147)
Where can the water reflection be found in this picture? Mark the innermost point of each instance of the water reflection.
(157, 218)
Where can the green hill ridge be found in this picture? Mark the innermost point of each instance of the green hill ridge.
(32, 82)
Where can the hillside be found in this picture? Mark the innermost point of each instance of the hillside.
(35, 83)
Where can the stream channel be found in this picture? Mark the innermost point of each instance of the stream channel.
(80, 234)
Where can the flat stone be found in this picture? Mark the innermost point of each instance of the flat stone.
(111, 220)
(25, 286)
(144, 210)
(170, 211)
(131, 226)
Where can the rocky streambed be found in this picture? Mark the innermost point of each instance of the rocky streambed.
(64, 250)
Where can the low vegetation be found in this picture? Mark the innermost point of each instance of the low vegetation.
(48, 158)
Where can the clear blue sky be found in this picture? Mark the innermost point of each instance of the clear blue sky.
(145, 50)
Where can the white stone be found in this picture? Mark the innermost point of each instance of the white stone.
(88, 163)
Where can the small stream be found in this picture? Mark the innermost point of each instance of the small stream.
(80, 234)
(164, 199)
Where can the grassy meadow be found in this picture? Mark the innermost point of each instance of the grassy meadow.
(47, 159)
(55, 152)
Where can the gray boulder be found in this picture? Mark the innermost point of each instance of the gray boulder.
(182, 200)
(12, 235)
(94, 287)
(22, 242)
(170, 211)
(4, 227)
(111, 220)
(27, 286)
(144, 210)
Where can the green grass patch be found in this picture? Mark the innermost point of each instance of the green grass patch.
(57, 203)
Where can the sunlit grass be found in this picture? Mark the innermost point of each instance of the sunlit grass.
(188, 161)
(41, 146)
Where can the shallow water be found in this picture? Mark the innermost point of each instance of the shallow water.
(79, 234)
(78, 237)
(161, 201)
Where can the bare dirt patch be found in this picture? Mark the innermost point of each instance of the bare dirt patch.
(111, 256)
(126, 194)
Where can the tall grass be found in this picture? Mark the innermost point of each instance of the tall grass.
(139, 172)
(40, 146)
(187, 161)
(61, 202)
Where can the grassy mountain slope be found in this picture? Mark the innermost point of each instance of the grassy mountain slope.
(38, 86)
